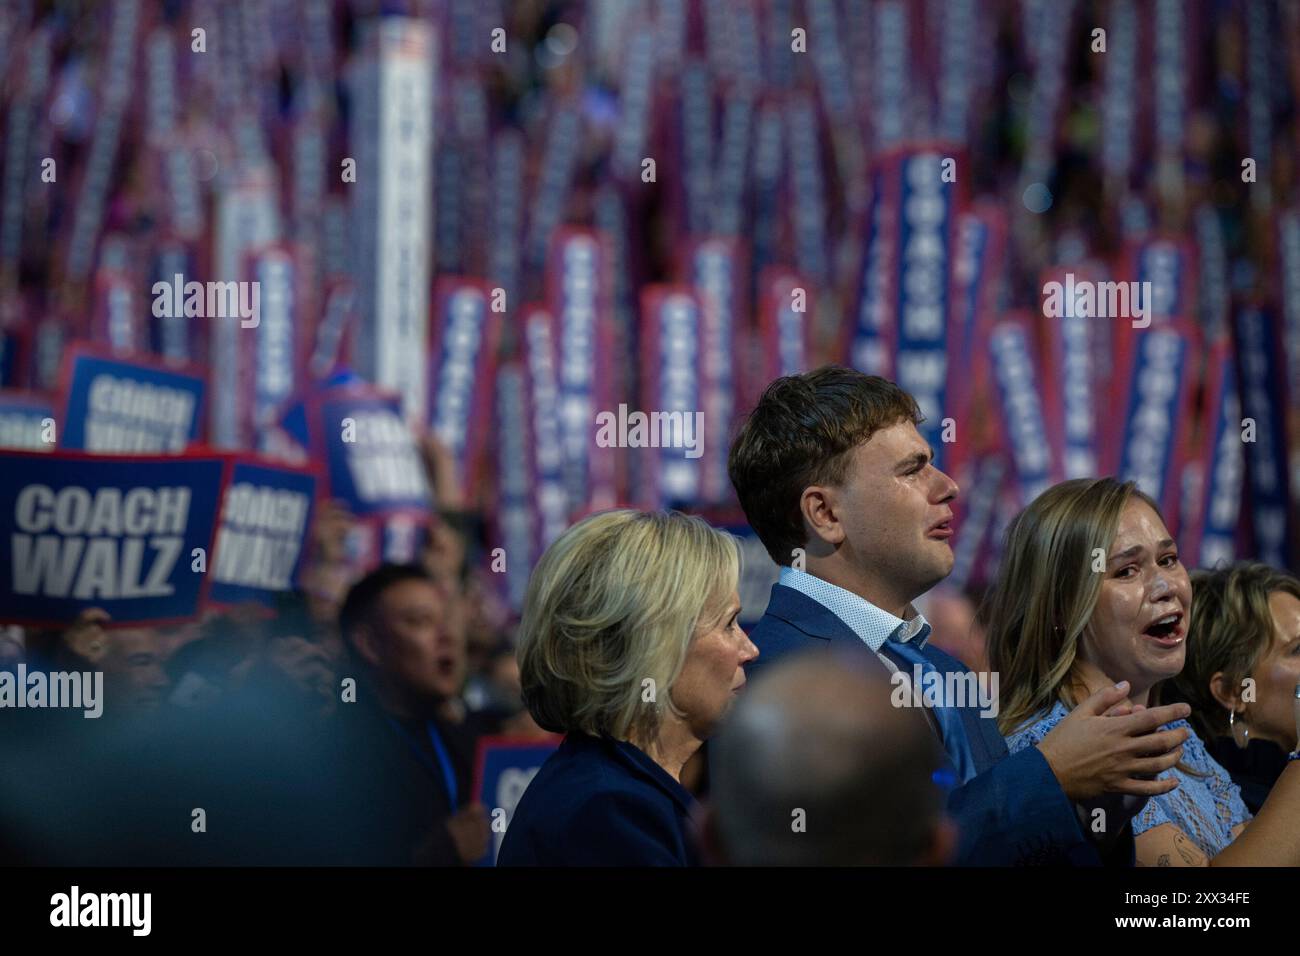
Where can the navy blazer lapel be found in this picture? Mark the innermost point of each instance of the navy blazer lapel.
(812, 617)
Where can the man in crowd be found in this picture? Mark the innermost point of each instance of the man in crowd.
(407, 730)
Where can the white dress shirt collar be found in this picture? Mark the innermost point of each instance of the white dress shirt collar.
(874, 625)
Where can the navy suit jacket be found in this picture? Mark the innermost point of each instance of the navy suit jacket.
(1013, 812)
(600, 802)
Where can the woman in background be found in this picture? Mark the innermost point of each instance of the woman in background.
(1243, 664)
(630, 644)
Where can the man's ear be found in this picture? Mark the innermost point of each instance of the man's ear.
(1225, 692)
(818, 505)
(365, 644)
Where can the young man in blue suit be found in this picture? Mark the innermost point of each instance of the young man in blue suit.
(841, 489)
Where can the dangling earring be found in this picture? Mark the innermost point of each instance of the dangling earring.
(1240, 736)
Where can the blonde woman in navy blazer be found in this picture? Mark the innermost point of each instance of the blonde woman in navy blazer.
(630, 646)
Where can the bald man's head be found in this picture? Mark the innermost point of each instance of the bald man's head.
(816, 767)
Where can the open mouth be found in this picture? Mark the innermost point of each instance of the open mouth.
(1167, 631)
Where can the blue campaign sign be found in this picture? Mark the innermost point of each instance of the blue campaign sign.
(372, 463)
(293, 417)
(24, 418)
(266, 512)
(119, 407)
(927, 210)
(503, 768)
(80, 531)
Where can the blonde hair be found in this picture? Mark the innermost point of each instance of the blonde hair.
(614, 602)
(1045, 593)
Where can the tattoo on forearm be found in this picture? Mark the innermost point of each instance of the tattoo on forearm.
(1187, 850)
(1164, 860)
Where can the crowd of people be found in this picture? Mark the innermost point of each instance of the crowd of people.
(1005, 664)
(1139, 714)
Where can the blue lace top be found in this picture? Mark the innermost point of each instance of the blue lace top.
(1206, 808)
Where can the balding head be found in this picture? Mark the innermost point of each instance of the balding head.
(816, 767)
